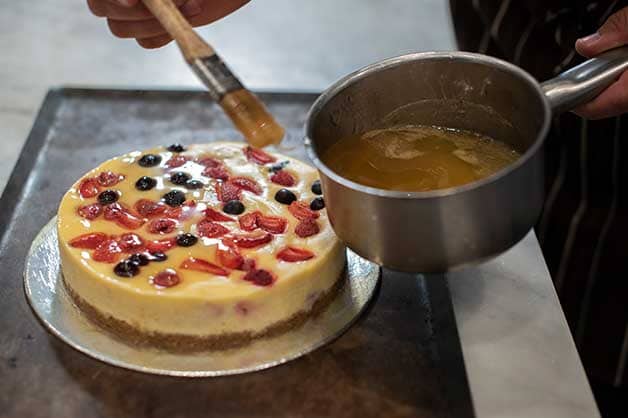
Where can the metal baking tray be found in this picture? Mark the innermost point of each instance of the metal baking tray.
(401, 359)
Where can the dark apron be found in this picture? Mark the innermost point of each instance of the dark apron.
(583, 230)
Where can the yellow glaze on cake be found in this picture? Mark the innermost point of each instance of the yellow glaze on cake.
(202, 304)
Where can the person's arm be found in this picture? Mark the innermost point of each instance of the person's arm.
(614, 100)
(130, 19)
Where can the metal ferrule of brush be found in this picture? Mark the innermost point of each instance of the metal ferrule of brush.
(216, 76)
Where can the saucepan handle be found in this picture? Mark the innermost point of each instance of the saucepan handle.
(585, 81)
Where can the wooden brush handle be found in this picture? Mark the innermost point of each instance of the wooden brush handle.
(192, 46)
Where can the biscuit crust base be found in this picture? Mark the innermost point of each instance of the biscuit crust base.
(182, 343)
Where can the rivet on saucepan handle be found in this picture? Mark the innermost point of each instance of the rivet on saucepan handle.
(584, 82)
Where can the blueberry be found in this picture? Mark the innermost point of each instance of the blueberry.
(317, 204)
(139, 259)
(157, 256)
(233, 207)
(126, 268)
(194, 184)
(149, 160)
(176, 148)
(174, 198)
(316, 187)
(285, 196)
(179, 178)
(107, 197)
(186, 240)
(145, 183)
(278, 167)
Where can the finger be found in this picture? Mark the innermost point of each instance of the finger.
(611, 102)
(125, 3)
(113, 10)
(198, 12)
(613, 33)
(155, 41)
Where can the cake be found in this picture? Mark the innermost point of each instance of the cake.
(206, 246)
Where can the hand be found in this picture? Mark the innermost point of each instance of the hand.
(614, 100)
(131, 19)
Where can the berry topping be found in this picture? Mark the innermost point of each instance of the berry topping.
(248, 222)
(259, 277)
(292, 254)
(88, 241)
(317, 204)
(166, 278)
(306, 228)
(285, 196)
(89, 188)
(139, 259)
(301, 211)
(177, 161)
(174, 198)
(162, 226)
(126, 268)
(90, 212)
(121, 216)
(108, 197)
(219, 173)
(107, 252)
(149, 160)
(283, 178)
(148, 208)
(145, 183)
(130, 242)
(252, 240)
(161, 245)
(210, 162)
(209, 229)
(272, 224)
(182, 212)
(214, 215)
(316, 187)
(229, 257)
(186, 240)
(258, 156)
(157, 256)
(194, 184)
(278, 167)
(248, 265)
(246, 183)
(176, 148)
(109, 178)
(199, 264)
(233, 207)
(227, 191)
(180, 178)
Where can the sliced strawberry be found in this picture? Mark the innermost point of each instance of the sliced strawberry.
(249, 264)
(210, 162)
(122, 216)
(199, 264)
(162, 245)
(209, 229)
(214, 215)
(248, 222)
(272, 224)
(227, 191)
(162, 226)
(91, 211)
(107, 251)
(293, 254)
(89, 188)
(259, 277)
(246, 183)
(302, 211)
(130, 243)
(148, 208)
(306, 228)
(88, 241)
(258, 156)
(283, 178)
(219, 173)
(177, 161)
(252, 240)
(109, 178)
(229, 257)
(166, 278)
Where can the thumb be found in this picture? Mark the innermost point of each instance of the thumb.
(612, 34)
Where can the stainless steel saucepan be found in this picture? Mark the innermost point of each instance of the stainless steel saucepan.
(441, 230)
